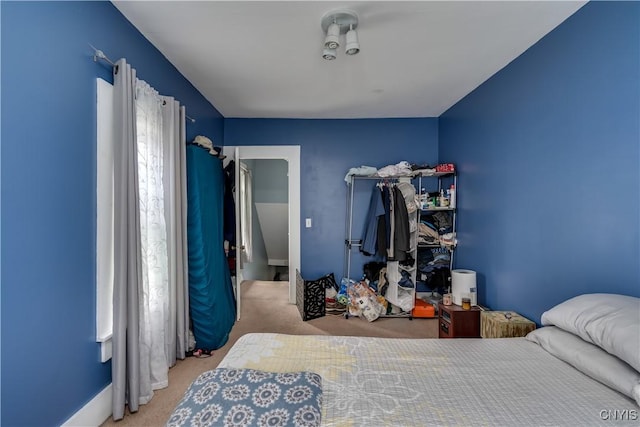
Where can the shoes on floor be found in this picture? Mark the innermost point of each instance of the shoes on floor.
(200, 353)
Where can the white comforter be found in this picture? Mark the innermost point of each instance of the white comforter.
(411, 382)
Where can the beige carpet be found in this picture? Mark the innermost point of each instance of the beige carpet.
(265, 308)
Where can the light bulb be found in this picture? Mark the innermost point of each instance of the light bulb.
(352, 46)
(332, 41)
(329, 54)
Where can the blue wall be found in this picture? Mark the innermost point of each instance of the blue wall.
(50, 360)
(548, 151)
(328, 148)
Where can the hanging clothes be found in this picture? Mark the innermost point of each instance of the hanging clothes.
(409, 194)
(388, 225)
(376, 210)
(401, 237)
(230, 214)
(382, 232)
(211, 299)
(387, 198)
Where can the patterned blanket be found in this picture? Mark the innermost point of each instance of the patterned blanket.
(247, 397)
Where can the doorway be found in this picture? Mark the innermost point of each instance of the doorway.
(248, 156)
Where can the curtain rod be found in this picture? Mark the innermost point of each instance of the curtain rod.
(98, 54)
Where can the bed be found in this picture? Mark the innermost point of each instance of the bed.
(554, 376)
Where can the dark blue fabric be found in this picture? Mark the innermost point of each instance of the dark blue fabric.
(386, 201)
(212, 303)
(376, 209)
(230, 207)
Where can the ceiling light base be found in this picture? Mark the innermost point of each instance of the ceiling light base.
(344, 18)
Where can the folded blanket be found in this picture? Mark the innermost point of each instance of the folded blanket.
(247, 397)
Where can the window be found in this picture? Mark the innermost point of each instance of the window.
(153, 227)
(104, 218)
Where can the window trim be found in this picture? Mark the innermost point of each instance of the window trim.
(104, 217)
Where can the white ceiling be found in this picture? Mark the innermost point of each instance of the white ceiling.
(418, 58)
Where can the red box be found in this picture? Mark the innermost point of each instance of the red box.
(423, 309)
(445, 167)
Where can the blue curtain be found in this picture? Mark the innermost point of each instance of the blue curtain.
(212, 303)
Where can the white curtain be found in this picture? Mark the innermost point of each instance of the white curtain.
(154, 306)
(246, 207)
(151, 289)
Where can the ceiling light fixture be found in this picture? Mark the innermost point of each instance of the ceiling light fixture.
(352, 46)
(328, 54)
(332, 40)
(336, 23)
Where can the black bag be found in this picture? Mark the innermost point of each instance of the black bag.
(439, 279)
(372, 269)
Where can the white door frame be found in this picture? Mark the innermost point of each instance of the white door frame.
(290, 153)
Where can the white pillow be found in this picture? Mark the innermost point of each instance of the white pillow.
(589, 359)
(610, 321)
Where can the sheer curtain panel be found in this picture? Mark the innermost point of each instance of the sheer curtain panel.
(153, 330)
(154, 306)
(246, 227)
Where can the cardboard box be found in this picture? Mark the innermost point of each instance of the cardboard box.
(504, 324)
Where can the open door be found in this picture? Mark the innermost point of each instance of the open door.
(244, 231)
(291, 154)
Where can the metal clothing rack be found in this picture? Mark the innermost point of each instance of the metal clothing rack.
(351, 243)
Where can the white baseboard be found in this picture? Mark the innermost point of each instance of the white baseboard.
(95, 412)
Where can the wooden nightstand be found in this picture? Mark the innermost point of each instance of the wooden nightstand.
(454, 322)
(504, 324)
